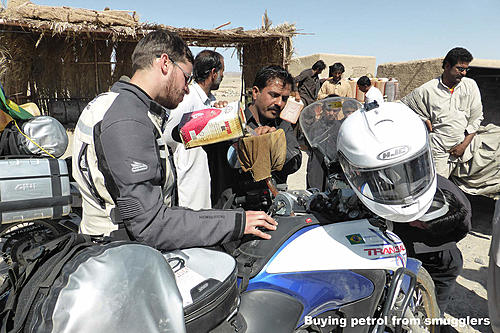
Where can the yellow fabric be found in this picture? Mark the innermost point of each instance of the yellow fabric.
(31, 108)
(5, 118)
(262, 154)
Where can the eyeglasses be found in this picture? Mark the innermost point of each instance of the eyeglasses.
(461, 69)
(187, 77)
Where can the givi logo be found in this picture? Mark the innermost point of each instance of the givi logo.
(392, 153)
(25, 187)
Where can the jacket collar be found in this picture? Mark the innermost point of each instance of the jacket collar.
(152, 105)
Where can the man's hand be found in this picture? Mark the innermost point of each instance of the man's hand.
(264, 130)
(297, 96)
(459, 149)
(254, 220)
(429, 125)
(220, 104)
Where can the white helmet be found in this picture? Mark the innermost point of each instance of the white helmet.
(386, 157)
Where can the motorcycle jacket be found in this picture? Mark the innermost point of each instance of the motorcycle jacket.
(122, 167)
(441, 233)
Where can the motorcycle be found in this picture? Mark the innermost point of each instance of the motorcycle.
(331, 265)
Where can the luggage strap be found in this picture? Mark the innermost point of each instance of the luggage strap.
(175, 191)
(245, 274)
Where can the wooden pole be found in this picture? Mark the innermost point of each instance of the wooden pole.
(96, 70)
(222, 25)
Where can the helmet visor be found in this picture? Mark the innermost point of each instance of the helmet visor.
(401, 183)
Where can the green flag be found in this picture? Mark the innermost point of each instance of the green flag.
(11, 108)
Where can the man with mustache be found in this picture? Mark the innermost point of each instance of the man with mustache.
(191, 165)
(270, 91)
(463, 149)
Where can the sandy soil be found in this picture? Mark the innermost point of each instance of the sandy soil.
(230, 88)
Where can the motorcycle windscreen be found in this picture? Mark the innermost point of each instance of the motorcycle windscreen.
(126, 288)
(320, 122)
(401, 183)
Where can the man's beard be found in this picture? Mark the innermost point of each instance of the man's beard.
(216, 83)
(172, 98)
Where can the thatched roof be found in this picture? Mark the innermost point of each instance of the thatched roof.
(55, 53)
(122, 26)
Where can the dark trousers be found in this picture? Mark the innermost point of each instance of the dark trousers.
(444, 267)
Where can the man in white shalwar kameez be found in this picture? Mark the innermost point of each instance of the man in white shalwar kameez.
(451, 107)
(193, 175)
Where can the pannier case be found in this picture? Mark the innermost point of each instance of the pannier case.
(207, 282)
(33, 188)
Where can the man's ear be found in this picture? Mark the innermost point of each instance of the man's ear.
(164, 63)
(214, 73)
(255, 91)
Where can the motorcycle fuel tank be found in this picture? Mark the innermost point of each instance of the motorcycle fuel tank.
(340, 246)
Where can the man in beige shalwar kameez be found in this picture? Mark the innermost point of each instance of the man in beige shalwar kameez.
(463, 150)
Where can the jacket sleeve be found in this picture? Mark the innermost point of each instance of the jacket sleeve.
(476, 110)
(446, 184)
(301, 77)
(133, 173)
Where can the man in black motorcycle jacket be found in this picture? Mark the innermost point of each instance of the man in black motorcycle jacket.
(271, 89)
(122, 165)
(434, 242)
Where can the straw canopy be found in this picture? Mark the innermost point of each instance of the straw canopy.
(52, 53)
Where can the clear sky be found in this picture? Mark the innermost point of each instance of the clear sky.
(390, 30)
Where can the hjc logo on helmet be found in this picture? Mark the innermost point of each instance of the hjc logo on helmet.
(392, 153)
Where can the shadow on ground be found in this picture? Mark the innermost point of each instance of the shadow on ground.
(478, 276)
(458, 307)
